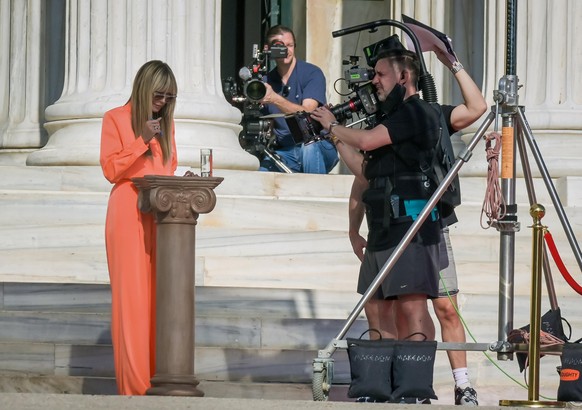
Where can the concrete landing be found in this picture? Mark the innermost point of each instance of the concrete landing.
(27, 390)
(19, 401)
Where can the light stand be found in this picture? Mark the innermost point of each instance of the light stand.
(516, 128)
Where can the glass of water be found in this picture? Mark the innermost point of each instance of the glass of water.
(206, 162)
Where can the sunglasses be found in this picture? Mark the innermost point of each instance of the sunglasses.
(160, 96)
(285, 91)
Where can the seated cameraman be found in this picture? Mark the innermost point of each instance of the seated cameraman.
(295, 85)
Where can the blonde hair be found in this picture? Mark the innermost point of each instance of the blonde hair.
(154, 76)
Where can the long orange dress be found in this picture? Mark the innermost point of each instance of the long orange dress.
(130, 240)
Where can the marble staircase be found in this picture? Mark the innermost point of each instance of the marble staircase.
(275, 277)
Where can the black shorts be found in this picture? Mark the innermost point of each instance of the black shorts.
(415, 272)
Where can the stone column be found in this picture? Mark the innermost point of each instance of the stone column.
(21, 76)
(176, 203)
(547, 64)
(107, 42)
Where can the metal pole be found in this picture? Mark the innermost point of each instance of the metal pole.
(532, 200)
(509, 225)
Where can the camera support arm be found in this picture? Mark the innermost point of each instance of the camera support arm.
(425, 80)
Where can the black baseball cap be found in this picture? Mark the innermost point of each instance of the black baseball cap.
(391, 43)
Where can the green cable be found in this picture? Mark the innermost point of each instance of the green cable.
(466, 327)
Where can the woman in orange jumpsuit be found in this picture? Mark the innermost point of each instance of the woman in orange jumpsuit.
(137, 139)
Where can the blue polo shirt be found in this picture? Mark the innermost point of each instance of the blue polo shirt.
(306, 81)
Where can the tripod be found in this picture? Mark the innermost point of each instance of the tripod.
(276, 158)
(257, 137)
(515, 128)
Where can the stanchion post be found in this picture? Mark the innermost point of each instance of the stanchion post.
(537, 212)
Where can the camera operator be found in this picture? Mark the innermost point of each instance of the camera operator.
(385, 163)
(292, 86)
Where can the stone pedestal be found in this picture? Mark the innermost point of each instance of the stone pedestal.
(176, 203)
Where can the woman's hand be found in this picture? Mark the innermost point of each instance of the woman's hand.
(151, 129)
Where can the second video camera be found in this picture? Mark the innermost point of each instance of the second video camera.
(306, 130)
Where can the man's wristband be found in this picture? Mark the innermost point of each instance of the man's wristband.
(456, 67)
(331, 125)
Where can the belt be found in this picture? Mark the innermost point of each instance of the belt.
(382, 182)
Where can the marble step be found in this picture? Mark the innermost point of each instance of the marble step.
(58, 392)
(318, 271)
(263, 336)
(101, 386)
(250, 330)
(230, 317)
(51, 229)
(478, 309)
(317, 315)
(90, 178)
(56, 208)
(211, 363)
(210, 301)
(63, 362)
(86, 185)
(235, 240)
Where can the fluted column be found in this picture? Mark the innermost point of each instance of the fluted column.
(20, 74)
(107, 42)
(547, 64)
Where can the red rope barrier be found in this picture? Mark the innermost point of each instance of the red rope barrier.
(560, 264)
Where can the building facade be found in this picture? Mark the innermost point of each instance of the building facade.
(65, 62)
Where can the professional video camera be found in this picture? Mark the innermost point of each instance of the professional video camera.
(364, 103)
(355, 74)
(254, 89)
(256, 133)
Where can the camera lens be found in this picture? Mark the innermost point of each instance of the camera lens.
(345, 110)
(255, 90)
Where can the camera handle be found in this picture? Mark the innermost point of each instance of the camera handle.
(425, 80)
